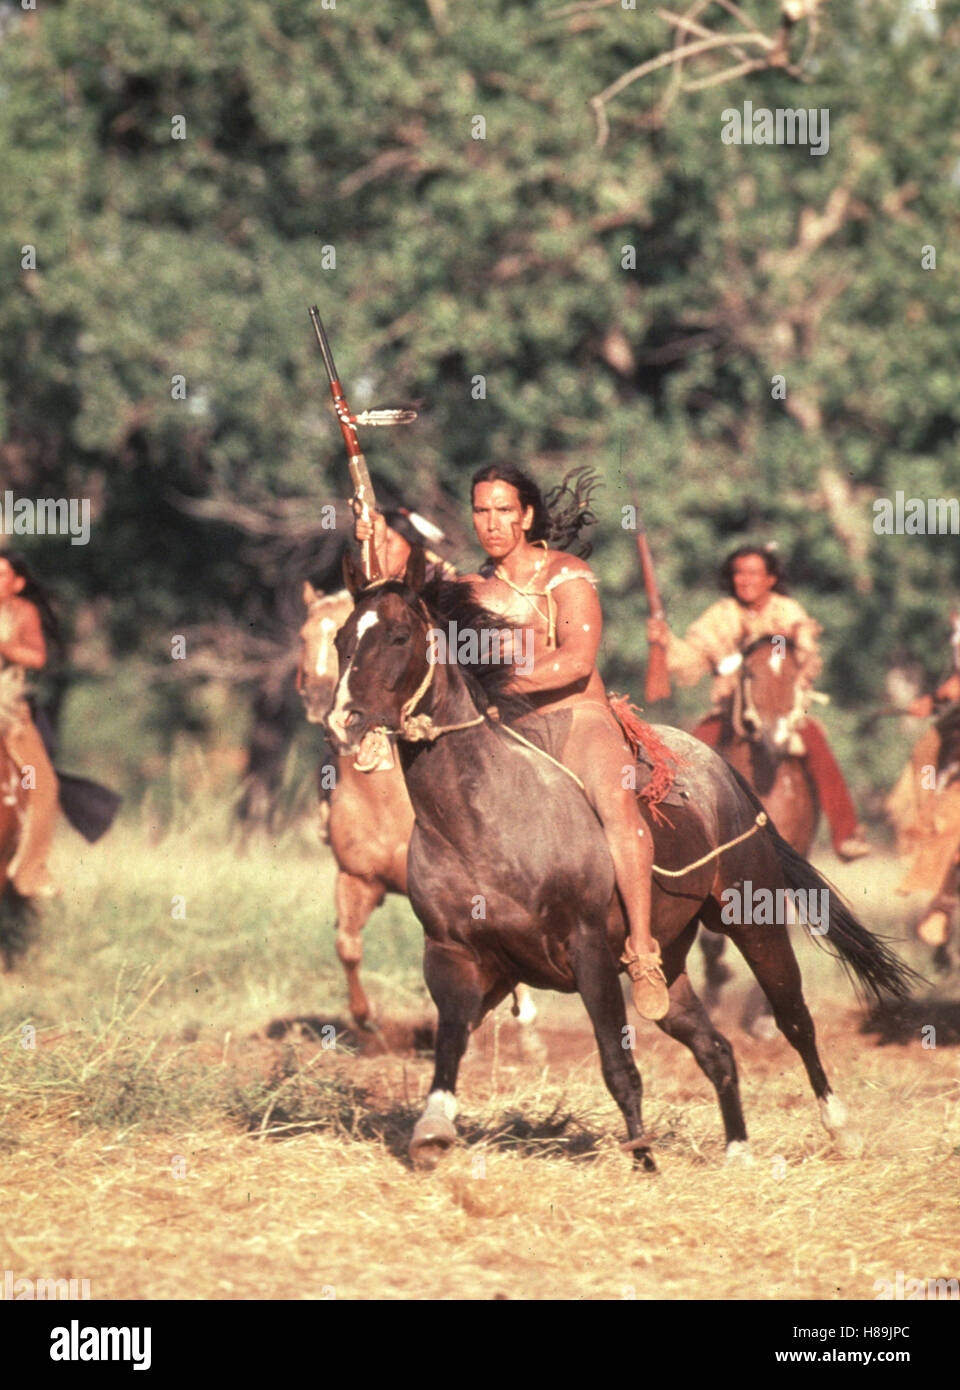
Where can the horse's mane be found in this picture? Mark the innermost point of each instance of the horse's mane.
(451, 601)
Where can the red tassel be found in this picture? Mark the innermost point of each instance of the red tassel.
(640, 736)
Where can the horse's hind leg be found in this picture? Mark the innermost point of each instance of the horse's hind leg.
(597, 980)
(689, 1023)
(718, 973)
(769, 953)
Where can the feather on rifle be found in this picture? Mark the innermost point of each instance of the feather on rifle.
(362, 486)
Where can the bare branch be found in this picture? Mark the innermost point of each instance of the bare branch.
(583, 7)
(737, 13)
(664, 60)
(740, 70)
(776, 52)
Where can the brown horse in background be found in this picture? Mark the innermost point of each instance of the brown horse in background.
(371, 818)
(761, 740)
(15, 910)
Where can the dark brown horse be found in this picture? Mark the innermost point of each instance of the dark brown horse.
(370, 816)
(760, 737)
(15, 911)
(510, 874)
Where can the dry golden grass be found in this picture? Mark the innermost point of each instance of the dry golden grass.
(511, 1214)
(294, 1179)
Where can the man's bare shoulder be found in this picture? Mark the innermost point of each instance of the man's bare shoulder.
(561, 565)
(22, 611)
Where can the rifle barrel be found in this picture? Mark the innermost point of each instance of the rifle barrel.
(325, 352)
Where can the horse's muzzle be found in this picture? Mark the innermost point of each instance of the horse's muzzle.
(345, 732)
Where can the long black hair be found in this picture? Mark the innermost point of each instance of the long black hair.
(37, 594)
(562, 515)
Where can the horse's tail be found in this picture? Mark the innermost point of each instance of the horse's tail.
(17, 917)
(872, 968)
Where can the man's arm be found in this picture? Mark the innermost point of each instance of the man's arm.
(26, 646)
(579, 628)
(691, 658)
(806, 636)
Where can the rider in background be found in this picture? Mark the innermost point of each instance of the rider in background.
(22, 649)
(759, 607)
(925, 809)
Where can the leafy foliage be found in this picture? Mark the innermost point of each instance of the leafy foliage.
(309, 127)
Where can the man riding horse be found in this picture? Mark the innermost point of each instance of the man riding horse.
(925, 809)
(22, 649)
(552, 593)
(758, 607)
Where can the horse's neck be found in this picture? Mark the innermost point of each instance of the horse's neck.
(449, 700)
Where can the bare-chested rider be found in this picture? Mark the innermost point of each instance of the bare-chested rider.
(554, 594)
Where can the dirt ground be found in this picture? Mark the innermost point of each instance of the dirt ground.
(538, 1201)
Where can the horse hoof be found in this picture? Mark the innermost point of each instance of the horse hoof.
(764, 1029)
(642, 1157)
(738, 1154)
(833, 1116)
(433, 1138)
(849, 1142)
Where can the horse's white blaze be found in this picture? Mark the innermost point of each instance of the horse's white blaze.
(368, 621)
(781, 732)
(833, 1113)
(776, 662)
(337, 716)
(441, 1105)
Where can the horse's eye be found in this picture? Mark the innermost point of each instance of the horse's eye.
(399, 639)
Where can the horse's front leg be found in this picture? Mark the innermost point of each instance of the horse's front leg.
(462, 997)
(597, 980)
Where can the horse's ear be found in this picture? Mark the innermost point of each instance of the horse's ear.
(309, 593)
(416, 571)
(353, 575)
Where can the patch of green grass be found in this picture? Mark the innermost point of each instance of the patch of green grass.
(238, 931)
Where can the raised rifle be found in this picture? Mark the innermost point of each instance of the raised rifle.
(658, 678)
(362, 487)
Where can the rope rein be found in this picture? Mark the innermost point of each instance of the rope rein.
(758, 824)
(418, 728)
